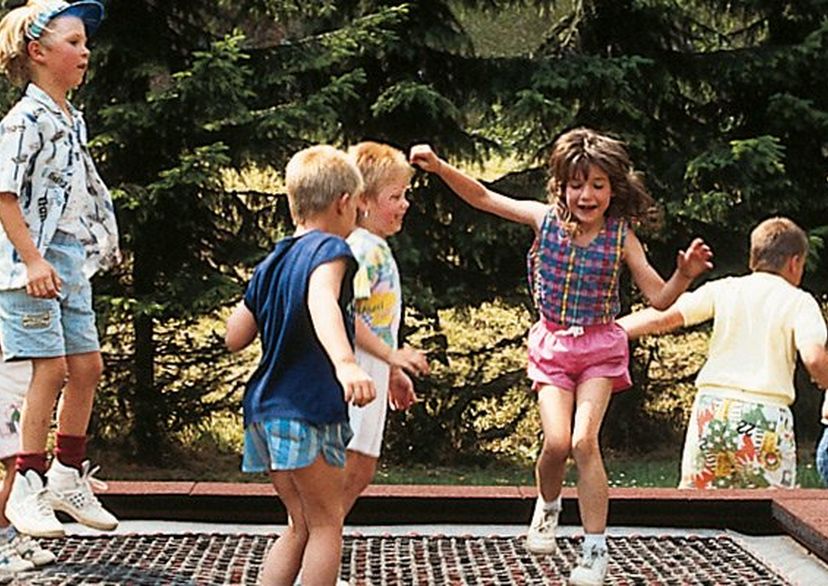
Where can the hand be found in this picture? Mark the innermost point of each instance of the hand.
(695, 260)
(410, 360)
(425, 158)
(357, 386)
(401, 393)
(43, 280)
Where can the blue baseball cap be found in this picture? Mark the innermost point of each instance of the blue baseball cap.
(91, 12)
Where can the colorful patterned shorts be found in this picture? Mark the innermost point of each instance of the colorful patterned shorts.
(732, 443)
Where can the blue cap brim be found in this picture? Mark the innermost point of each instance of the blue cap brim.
(89, 11)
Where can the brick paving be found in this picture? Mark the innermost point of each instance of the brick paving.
(221, 559)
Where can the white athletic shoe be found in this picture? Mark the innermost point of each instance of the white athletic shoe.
(31, 551)
(70, 491)
(29, 509)
(540, 538)
(591, 569)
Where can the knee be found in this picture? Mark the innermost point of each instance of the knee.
(89, 370)
(555, 449)
(585, 448)
(50, 372)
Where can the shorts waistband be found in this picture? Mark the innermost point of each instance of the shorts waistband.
(574, 330)
(743, 395)
(64, 238)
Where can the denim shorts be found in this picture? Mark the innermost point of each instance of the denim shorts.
(290, 444)
(32, 327)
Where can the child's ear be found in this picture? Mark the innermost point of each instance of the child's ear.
(343, 202)
(35, 51)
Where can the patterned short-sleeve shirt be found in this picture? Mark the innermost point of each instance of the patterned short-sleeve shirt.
(377, 289)
(42, 151)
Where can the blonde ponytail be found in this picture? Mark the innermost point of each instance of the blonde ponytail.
(14, 56)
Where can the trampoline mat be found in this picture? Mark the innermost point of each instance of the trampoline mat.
(215, 559)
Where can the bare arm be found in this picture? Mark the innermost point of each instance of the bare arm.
(690, 264)
(328, 323)
(401, 393)
(815, 359)
(241, 329)
(407, 358)
(651, 321)
(43, 280)
(529, 212)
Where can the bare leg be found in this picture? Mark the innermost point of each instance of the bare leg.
(320, 487)
(5, 489)
(592, 399)
(359, 472)
(556, 419)
(281, 566)
(75, 407)
(48, 375)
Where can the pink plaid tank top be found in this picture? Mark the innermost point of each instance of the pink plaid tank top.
(576, 285)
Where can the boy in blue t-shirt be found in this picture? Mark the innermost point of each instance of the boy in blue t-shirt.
(300, 299)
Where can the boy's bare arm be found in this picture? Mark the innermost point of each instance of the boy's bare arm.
(651, 321)
(43, 280)
(815, 359)
(241, 329)
(329, 325)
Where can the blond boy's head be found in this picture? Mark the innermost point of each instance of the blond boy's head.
(774, 242)
(380, 164)
(318, 176)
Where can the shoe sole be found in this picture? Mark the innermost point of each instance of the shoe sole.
(72, 513)
(541, 550)
(20, 525)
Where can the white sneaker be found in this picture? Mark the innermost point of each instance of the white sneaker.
(28, 507)
(70, 491)
(30, 550)
(10, 560)
(541, 535)
(591, 569)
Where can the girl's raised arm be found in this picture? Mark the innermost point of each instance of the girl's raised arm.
(690, 264)
(529, 212)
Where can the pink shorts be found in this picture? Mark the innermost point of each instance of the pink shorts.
(566, 357)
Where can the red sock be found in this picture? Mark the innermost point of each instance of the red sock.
(70, 450)
(26, 461)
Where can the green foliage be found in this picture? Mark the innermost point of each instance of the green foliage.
(724, 107)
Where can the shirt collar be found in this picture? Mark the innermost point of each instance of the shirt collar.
(36, 93)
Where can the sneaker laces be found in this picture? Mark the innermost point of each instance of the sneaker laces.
(88, 482)
(589, 556)
(41, 500)
(547, 520)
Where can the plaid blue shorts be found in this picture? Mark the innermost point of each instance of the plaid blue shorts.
(290, 444)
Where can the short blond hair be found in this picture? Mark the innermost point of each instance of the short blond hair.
(316, 177)
(14, 53)
(379, 163)
(774, 242)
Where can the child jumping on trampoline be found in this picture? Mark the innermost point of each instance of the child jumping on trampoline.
(378, 303)
(578, 355)
(741, 432)
(295, 406)
(58, 229)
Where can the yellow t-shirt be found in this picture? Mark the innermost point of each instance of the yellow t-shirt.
(760, 321)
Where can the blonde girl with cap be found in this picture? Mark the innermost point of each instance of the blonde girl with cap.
(58, 229)
(578, 355)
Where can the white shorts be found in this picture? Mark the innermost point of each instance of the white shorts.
(368, 422)
(14, 382)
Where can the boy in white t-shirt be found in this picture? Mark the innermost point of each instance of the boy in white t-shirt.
(378, 304)
(740, 433)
